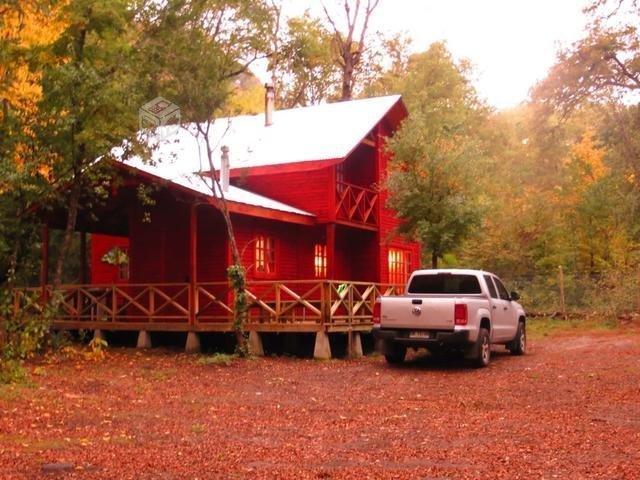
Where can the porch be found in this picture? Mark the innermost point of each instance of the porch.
(297, 306)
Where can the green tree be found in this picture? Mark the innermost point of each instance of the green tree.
(435, 153)
(212, 43)
(89, 102)
(304, 67)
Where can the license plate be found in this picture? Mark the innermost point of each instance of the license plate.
(419, 334)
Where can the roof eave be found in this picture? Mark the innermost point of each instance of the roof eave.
(233, 206)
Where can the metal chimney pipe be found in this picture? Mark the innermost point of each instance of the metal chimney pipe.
(224, 169)
(269, 104)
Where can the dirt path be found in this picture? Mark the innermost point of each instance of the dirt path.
(569, 409)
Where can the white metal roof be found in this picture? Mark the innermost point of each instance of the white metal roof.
(172, 170)
(319, 132)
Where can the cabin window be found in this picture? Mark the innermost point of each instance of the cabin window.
(399, 263)
(265, 255)
(320, 260)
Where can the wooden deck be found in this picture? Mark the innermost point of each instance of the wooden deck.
(274, 306)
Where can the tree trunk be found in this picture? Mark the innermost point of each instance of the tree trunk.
(347, 80)
(434, 259)
(72, 215)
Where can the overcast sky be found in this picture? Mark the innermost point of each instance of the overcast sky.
(511, 43)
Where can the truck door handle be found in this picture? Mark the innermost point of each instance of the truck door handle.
(416, 301)
(494, 307)
(504, 308)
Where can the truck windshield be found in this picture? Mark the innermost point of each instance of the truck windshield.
(445, 283)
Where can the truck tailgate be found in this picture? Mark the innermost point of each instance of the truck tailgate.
(418, 313)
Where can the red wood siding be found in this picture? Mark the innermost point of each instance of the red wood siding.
(102, 272)
(159, 250)
(311, 191)
(294, 246)
(212, 246)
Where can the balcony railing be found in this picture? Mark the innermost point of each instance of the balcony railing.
(297, 305)
(356, 204)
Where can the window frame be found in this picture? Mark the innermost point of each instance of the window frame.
(499, 284)
(267, 273)
(401, 275)
(493, 291)
(320, 260)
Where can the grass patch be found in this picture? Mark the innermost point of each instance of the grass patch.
(12, 371)
(540, 327)
(217, 359)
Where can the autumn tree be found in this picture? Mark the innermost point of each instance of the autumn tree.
(350, 41)
(24, 31)
(435, 153)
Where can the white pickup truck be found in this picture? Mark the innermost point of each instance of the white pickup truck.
(450, 310)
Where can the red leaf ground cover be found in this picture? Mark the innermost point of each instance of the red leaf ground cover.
(568, 409)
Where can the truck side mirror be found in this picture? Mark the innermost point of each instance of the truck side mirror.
(515, 296)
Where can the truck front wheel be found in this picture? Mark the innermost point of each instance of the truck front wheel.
(394, 353)
(519, 344)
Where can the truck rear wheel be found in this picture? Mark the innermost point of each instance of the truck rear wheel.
(394, 353)
(483, 349)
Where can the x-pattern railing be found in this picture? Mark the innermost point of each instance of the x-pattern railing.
(317, 302)
(356, 204)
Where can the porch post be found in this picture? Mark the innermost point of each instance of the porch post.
(83, 258)
(193, 260)
(44, 267)
(331, 251)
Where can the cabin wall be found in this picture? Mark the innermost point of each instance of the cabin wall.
(356, 255)
(102, 272)
(159, 250)
(312, 191)
(294, 247)
(212, 246)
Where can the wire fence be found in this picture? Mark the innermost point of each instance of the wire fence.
(565, 293)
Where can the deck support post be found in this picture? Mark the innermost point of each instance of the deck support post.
(255, 344)
(322, 347)
(144, 339)
(354, 346)
(98, 335)
(193, 343)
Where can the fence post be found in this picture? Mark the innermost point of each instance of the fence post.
(563, 306)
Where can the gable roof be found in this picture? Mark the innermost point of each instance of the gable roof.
(327, 132)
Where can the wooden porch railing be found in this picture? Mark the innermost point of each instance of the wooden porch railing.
(297, 305)
(356, 204)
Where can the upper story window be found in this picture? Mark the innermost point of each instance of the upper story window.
(265, 255)
(320, 261)
(399, 265)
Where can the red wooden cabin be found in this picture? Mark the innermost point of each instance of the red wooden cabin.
(307, 209)
(318, 212)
